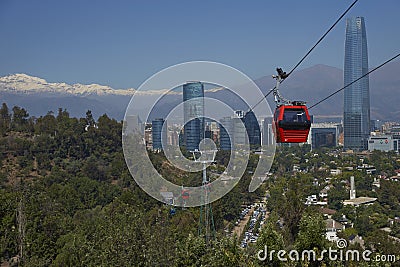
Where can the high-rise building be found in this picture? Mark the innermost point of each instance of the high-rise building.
(253, 130)
(210, 129)
(356, 97)
(267, 134)
(243, 128)
(226, 127)
(193, 108)
(173, 138)
(324, 135)
(239, 132)
(159, 133)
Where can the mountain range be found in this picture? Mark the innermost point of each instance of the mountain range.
(311, 85)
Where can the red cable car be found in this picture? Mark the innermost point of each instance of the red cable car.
(291, 119)
(291, 123)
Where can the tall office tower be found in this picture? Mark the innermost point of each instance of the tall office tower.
(253, 130)
(267, 133)
(356, 96)
(173, 137)
(239, 132)
(159, 133)
(225, 128)
(193, 108)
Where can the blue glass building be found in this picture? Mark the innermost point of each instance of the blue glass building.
(225, 128)
(238, 126)
(253, 130)
(159, 133)
(193, 109)
(356, 116)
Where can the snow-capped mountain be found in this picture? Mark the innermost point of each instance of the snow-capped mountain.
(311, 84)
(39, 96)
(23, 83)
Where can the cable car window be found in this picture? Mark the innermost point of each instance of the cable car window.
(294, 115)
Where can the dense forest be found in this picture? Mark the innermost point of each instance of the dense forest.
(68, 199)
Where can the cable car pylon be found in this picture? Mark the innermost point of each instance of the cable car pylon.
(206, 219)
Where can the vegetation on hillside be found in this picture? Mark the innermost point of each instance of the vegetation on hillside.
(68, 199)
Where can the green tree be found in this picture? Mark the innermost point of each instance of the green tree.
(311, 232)
(20, 119)
(46, 125)
(5, 119)
(269, 239)
(311, 235)
(191, 251)
(336, 195)
(292, 208)
(379, 241)
(8, 225)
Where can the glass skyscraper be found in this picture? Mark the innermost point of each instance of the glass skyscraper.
(234, 129)
(267, 133)
(356, 117)
(159, 133)
(253, 130)
(193, 109)
(225, 129)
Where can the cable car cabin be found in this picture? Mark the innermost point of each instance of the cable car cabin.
(185, 194)
(291, 124)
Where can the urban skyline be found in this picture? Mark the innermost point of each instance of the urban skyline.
(386, 137)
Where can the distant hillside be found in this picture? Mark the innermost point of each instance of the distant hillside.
(310, 84)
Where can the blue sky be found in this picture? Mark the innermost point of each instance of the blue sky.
(122, 43)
